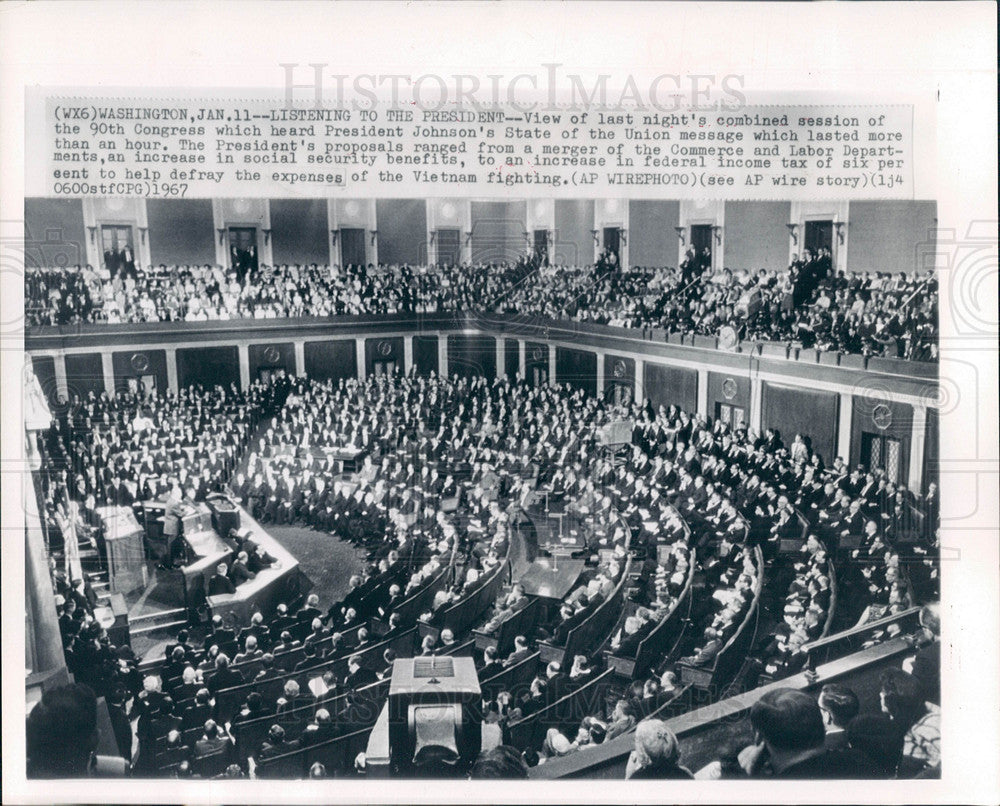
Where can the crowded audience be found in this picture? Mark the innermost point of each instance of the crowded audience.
(448, 467)
(809, 303)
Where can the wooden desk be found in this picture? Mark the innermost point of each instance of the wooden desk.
(209, 551)
(278, 584)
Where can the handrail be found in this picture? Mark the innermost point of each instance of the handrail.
(251, 731)
(529, 723)
(689, 724)
(757, 588)
(302, 753)
(458, 648)
(649, 643)
(509, 629)
(487, 585)
(861, 629)
(324, 665)
(510, 671)
(624, 615)
(95, 335)
(425, 592)
(582, 631)
(710, 673)
(311, 707)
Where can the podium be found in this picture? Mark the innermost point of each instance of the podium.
(123, 537)
(434, 703)
(225, 516)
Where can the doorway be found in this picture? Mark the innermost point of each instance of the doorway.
(613, 243)
(819, 235)
(883, 453)
(703, 244)
(730, 415)
(541, 253)
(141, 384)
(449, 247)
(117, 249)
(619, 393)
(243, 249)
(352, 247)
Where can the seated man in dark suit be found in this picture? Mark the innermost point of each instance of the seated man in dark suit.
(361, 710)
(536, 700)
(584, 609)
(199, 713)
(220, 635)
(520, 653)
(491, 666)
(557, 682)
(291, 698)
(622, 719)
(268, 670)
(174, 751)
(507, 607)
(207, 665)
(182, 642)
(389, 660)
(336, 612)
(839, 706)
(310, 611)
(220, 582)
(357, 675)
(318, 634)
(165, 721)
(395, 626)
(320, 730)
(926, 664)
(546, 631)
(276, 744)
(394, 598)
(253, 708)
(705, 656)
(790, 741)
(213, 740)
(634, 632)
(309, 658)
(250, 651)
(286, 643)
(224, 676)
(258, 559)
(282, 621)
(175, 665)
(258, 629)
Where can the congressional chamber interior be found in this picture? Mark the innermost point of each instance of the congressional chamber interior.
(536, 488)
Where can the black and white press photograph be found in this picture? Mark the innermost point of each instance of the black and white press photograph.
(513, 402)
(447, 488)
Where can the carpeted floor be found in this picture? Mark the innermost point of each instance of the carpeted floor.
(328, 561)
